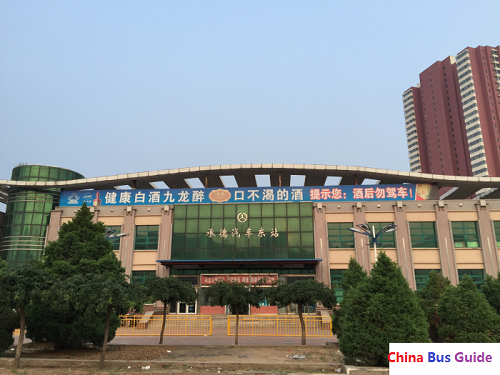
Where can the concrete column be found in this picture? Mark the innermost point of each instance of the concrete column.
(445, 243)
(54, 225)
(361, 242)
(126, 253)
(488, 239)
(321, 245)
(403, 245)
(165, 241)
(95, 211)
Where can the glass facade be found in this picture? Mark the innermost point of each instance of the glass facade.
(28, 212)
(496, 224)
(465, 234)
(423, 235)
(115, 241)
(385, 240)
(339, 236)
(141, 276)
(146, 237)
(421, 277)
(336, 281)
(243, 231)
(476, 275)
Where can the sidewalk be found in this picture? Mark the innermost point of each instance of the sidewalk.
(219, 337)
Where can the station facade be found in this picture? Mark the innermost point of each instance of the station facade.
(288, 233)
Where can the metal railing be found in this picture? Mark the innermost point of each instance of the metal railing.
(279, 325)
(179, 325)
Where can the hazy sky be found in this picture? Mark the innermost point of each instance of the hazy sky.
(109, 87)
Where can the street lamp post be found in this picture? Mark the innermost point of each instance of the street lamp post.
(365, 229)
(110, 234)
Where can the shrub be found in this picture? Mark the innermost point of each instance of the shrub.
(429, 298)
(466, 315)
(379, 310)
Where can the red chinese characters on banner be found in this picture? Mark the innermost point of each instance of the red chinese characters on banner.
(209, 280)
(243, 278)
(361, 193)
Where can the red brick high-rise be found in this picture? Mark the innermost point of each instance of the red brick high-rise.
(452, 115)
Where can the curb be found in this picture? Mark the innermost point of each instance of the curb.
(364, 370)
(168, 365)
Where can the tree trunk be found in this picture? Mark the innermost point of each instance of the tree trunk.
(302, 324)
(20, 342)
(237, 326)
(163, 322)
(105, 343)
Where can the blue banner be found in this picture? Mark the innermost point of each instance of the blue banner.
(347, 193)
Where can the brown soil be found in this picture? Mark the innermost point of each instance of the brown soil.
(191, 354)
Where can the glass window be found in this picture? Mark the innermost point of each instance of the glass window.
(497, 231)
(336, 281)
(385, 240)
(142, 276)
(339, 236)
(115, 241)
(476, 275)
(423, 235)
(421, 277)
(146, 237)
(215, 232)
(465, 234)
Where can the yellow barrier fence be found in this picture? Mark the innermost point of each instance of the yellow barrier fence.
(279, 325)
(179, 325)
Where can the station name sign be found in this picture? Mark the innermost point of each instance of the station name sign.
(241, 278)
(341, 193)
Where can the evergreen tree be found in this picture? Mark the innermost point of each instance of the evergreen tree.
(235, 295)
(9, 319)
(108, 294)
(429, 298)
(169, 290)
(81, 249)
(20, 286)
(491, 290)
(302, 293)
(352, 277)
(379, 310)
(466, 316)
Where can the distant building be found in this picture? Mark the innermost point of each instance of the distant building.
(451, 116)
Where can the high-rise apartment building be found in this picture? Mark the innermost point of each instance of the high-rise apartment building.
(451, 116)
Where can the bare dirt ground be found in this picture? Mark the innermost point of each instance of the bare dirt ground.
(190, 354)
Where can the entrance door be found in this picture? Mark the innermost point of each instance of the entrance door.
(241, 311)
(186, 308)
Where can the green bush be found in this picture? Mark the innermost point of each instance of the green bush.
(9, 321)
(466, 315)
(68, 329)
(379, 310)
(491, 290)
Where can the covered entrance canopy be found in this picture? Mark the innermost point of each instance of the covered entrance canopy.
(239, 263)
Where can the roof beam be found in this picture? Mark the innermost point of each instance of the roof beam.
(274, 176)
(316, 179)
(462, 193)
(245, 179)
(211, 180)
(352, 179)
(176, 183)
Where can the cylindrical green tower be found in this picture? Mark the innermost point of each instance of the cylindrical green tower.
(28, 211)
